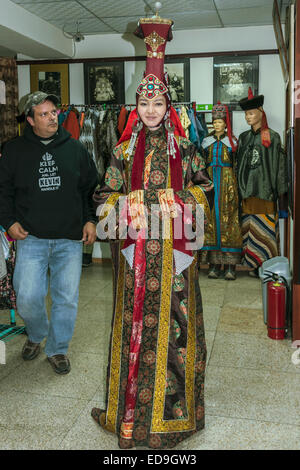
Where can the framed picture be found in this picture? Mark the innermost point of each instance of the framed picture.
(179, 79)
(281, 44)
(232, 78)
(104, 82)
(52, 79)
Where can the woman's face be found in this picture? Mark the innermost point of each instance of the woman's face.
(152, 111)
(219, 126)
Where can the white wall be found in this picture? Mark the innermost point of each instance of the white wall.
(271, 84)
(24, 80)
(133, 74)
(202, 80)
(192, 41)
(76, 83)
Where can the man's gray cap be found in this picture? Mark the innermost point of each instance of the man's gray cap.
(37, 98)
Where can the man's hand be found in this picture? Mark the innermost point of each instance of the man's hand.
(89, 233)
(17, 232)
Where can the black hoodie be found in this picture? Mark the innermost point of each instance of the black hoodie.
(47, 188)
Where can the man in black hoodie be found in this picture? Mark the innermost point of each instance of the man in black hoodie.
(47, 180)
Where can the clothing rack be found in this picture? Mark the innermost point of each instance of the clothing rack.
(184, 103)
(99, 105)
(119, 105)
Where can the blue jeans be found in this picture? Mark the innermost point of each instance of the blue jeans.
(38, 261)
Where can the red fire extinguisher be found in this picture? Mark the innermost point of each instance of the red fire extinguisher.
(277, 303)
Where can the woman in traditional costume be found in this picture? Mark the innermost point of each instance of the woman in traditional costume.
(223, 239)
(155, 376)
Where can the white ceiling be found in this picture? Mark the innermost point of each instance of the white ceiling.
(120, 16)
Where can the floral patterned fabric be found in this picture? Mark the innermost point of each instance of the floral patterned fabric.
(7, 293)
(166, 378)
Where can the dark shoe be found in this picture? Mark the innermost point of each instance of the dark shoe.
(87, 260)
(229, 272)
(60, 363)
(253, 273)
(214, 271)
(30, 350)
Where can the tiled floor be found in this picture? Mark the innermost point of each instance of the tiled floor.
(252, 387)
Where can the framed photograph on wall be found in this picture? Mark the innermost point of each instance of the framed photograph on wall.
(179, 79)
(52, 79)
(104, 82)
(232, 78)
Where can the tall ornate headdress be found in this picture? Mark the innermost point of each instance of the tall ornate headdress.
(155, 32)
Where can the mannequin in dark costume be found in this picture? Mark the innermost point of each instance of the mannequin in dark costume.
(262, 181)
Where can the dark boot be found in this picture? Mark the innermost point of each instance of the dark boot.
(30, 350)
(87, 259)
(253, 273)
(214, 271)
(229, 272)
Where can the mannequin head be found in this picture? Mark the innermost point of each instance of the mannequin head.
(254, 118)
(219, 126)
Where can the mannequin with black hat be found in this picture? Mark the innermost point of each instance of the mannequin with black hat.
(223, 240)
(262, 180)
